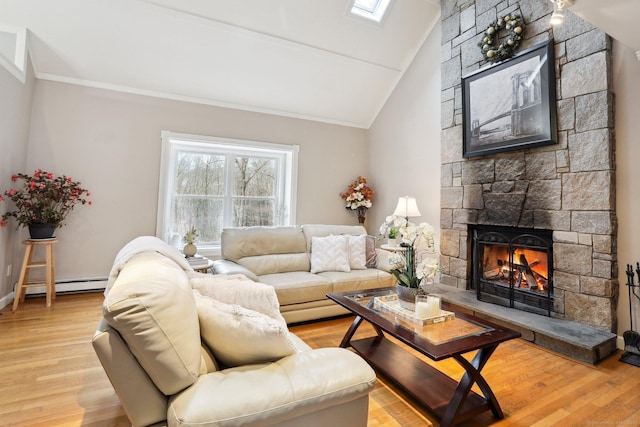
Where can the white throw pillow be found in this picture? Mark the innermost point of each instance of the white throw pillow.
(239, 336)
(358, 252)
(330, 253)
(238, 289)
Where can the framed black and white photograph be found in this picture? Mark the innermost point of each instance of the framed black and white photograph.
(512, 105)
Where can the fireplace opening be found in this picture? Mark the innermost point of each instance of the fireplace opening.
(513, 267)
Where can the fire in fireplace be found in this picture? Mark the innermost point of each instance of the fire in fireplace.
(513, 267)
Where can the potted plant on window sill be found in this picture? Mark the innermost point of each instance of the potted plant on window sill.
(190, 237)
(43, 202)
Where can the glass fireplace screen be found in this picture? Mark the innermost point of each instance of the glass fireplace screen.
(514, 267)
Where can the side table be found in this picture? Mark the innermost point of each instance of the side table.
(203, 268)
(391, 248)
(28, 264)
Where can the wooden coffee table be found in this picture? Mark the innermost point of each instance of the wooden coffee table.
(450, 400)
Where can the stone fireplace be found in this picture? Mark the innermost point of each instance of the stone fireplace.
(566, 189)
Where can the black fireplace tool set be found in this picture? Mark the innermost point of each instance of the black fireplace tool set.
(632, 338)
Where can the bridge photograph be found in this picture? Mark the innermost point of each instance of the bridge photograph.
(510, 104)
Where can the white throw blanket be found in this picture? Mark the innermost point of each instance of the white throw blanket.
(144, 244)
(239, 290)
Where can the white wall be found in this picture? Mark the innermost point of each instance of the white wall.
(15, 116)
(110, 141)
(626, 79)
(404, 141)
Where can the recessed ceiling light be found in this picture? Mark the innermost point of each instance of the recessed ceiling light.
(370, 9)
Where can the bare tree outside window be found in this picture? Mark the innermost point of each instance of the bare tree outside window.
(254, 192)
(199, 194)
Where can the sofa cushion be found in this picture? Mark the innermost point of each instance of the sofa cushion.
(298, 286)
(323, 230)
(270, 394)
(239, 336)
(358, 279)
(240, 242)
(151, 305)
(330, 253)
(276, 263)
(357, 252)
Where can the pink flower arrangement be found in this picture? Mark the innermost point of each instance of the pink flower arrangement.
(43, 199)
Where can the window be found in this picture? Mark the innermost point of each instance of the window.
(14, 50)
(370, 9)
(213, 183)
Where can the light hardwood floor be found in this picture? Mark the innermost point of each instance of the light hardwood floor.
(50, 376)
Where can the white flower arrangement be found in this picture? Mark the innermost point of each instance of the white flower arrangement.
(359, 195)
(403, 264)
(409, 232)
(357, 200)
(427, 268)
(191, 235)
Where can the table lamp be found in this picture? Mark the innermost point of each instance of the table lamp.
(407, 207)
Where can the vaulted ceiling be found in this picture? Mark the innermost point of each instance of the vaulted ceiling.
(301, 58)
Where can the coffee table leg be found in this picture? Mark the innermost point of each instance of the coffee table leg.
(472, 376)
(378, 330)
(352, 330)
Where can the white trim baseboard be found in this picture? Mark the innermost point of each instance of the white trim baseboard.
(71, 286)
(62, 286)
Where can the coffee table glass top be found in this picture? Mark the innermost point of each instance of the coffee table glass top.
(436, 333)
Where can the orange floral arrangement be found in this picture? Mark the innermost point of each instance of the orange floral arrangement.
(358, 196)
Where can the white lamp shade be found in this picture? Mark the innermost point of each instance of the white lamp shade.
(407, 207)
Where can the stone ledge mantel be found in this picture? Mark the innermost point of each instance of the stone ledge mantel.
(576, 340)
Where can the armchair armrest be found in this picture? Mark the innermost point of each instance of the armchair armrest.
(141, 399)
(223, 266)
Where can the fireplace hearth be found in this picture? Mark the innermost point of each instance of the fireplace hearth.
(513, 267)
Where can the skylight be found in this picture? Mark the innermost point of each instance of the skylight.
(370, 9)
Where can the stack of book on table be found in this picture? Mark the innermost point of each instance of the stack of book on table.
(197, 261)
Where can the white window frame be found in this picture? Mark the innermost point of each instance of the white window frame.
(174, 143)
(375, 14)
(14, 60)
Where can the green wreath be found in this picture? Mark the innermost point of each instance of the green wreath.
(515, 28)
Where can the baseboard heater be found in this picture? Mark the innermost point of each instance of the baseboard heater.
(72, 285)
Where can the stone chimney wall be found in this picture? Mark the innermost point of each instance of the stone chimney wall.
(568, 188)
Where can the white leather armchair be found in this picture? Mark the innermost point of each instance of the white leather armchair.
(150, 346)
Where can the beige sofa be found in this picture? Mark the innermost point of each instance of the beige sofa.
(165, 370)
(283, 258)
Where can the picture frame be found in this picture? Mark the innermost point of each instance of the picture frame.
(512, 105)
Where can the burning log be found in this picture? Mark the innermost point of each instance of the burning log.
(518, 280)
(528, 272)
(496, 273)
(518, 272)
